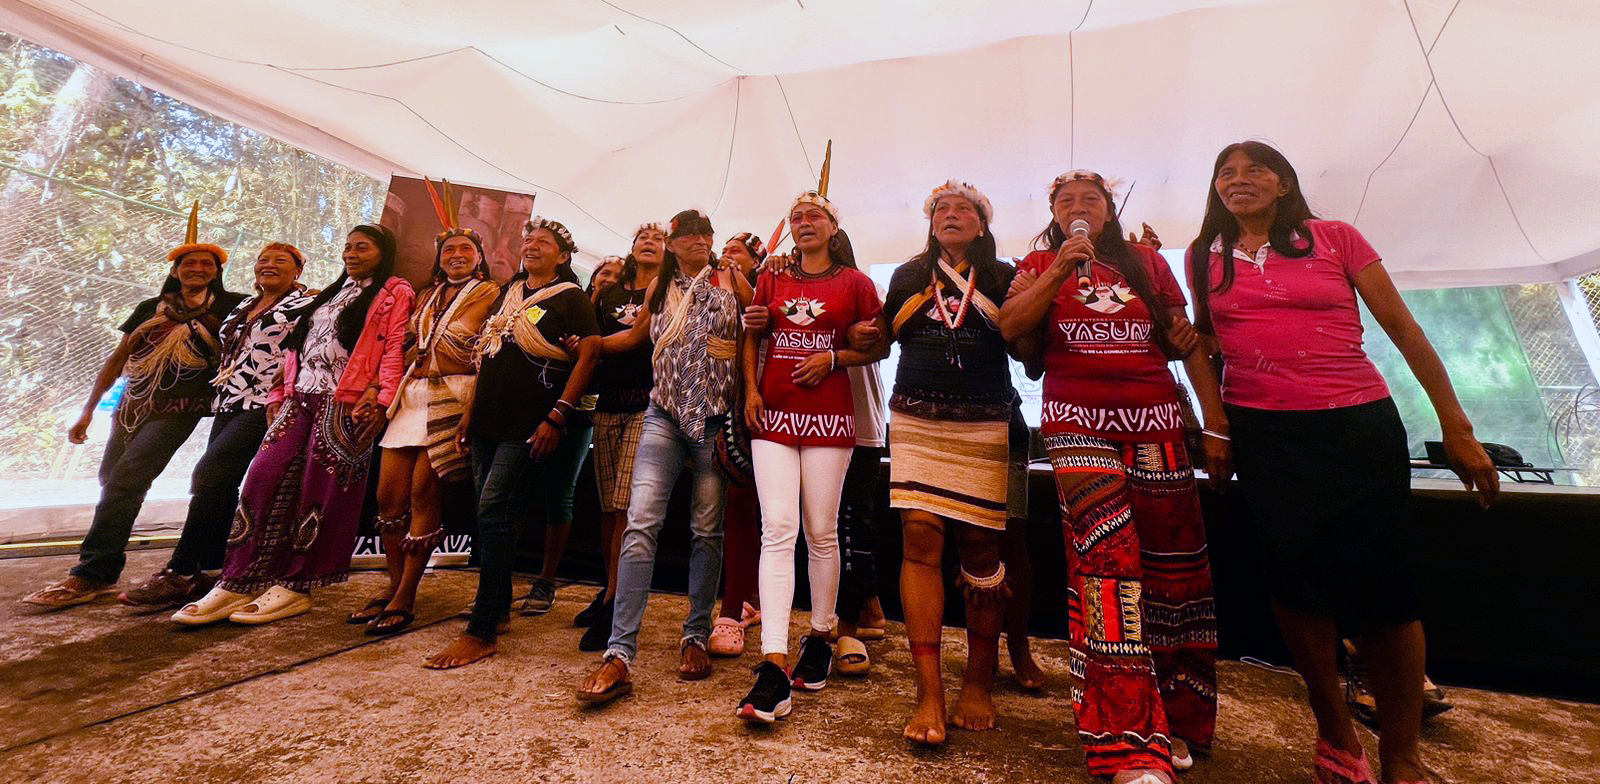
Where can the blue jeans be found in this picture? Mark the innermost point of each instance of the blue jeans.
(131, 463)
(507, 480)
(664, 451)
(235, 439)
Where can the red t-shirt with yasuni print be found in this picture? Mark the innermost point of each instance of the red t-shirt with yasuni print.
(809, 316)
(1105, 375)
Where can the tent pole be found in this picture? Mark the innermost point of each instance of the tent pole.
(1582, 320)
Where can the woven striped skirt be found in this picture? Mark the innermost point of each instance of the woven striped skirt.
(954, 469)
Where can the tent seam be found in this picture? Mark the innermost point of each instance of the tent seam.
(733, 134)
(675, 31)
(1499, 184)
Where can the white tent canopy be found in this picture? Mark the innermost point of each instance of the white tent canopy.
(1457, 134)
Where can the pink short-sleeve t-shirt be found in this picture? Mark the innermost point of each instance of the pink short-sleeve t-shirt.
(1290, 329)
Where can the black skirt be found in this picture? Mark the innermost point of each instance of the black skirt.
(1328, 494)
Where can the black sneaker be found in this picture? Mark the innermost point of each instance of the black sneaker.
(810, 673)
(768, 700)
(598, 634)
(541, 597)
(585, 617)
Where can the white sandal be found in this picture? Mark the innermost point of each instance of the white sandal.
(274, 605)
(216, 605)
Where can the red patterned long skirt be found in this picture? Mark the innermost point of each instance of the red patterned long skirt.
(1142, 624)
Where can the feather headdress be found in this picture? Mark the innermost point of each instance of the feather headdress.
(192, 243)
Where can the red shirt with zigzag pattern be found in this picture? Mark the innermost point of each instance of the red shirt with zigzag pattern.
(810, 316)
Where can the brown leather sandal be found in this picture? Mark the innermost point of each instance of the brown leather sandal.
(621, 686)
(691, 667)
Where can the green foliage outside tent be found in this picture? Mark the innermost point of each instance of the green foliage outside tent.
(96, 177)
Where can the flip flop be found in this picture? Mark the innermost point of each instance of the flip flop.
(620, 688)
(869, 633)
(362, 616)
(699, 673)
(66, 597)
(853, 658)
(377, 628)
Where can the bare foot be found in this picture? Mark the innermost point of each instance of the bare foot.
(606, 683)
(927, 722)
(1023, 666)
(465, 650)
(1404, 770)
(872, 614)
(974, 709)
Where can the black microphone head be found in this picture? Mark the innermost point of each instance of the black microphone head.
(1078, 228)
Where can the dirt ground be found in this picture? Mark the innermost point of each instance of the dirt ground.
(96, 694)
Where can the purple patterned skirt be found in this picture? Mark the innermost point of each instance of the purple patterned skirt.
(301, 502)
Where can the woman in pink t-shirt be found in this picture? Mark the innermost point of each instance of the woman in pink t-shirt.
(1320, 449)
(1109, 314)
(801, 413)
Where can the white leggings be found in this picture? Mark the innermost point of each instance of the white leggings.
(789, 478)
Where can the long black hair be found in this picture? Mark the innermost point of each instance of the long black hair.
(981, 254)
(668, 271)
(1113, 249)
(1292, 214)
(347, 328)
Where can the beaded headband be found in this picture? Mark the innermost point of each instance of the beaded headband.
(563, 237)
(965, 190)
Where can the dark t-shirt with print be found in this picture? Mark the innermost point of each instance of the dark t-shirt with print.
(516, 390)
(623, 380)
(930, 351)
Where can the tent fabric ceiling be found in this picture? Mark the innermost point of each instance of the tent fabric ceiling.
(1457, 134)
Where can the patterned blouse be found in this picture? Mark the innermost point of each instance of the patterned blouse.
(692, 381)
(252, 351)
(323, 357)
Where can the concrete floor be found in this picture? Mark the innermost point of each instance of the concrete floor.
(96, 694)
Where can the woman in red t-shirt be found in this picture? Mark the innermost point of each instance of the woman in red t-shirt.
(1322, 451)
(801, 414)
(1142, 628)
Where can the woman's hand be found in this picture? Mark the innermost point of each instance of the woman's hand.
(813, 369)
(756, 318)
(1023, 280)
(369, 415)
(777, 262)
(79, 432)
(570, 343)
(1074, 250)
(863, 335)
(544, 441)
(752, 411)
(272, 411)
(1147, 238)
(1184, 337)
(463, 442)
(1468, 460)
(1219, 461)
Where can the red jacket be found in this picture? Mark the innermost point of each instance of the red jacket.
(378, 359)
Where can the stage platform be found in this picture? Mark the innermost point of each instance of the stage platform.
(96, 694)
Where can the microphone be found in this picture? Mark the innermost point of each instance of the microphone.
(1078, 228)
